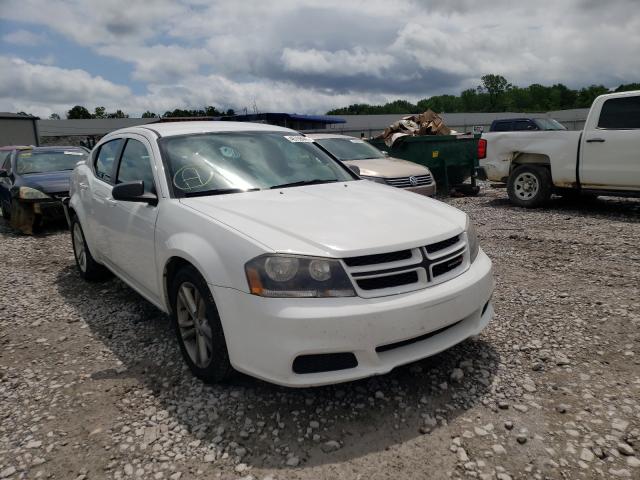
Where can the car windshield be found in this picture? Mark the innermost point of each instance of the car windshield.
(230, 162)
(350, 148)
(549, 124)
(33, 161)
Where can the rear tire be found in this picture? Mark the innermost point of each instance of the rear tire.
(529, 186)
(88, 268)
(198, 327)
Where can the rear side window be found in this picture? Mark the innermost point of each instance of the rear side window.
(106, 158)
(502, 127)
(135, 164)
(620, 113)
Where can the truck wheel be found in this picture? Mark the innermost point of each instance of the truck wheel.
(529, 186)
(88, 268)
(198, 328)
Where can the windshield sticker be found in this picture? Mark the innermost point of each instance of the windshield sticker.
(298, 139)
(25, 154)
(356, 140)
(73, 153)
(229, 152)
(191, 177)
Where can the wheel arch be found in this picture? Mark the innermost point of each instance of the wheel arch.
(172, 265)
(520, 159)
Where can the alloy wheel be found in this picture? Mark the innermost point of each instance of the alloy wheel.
(194, 328)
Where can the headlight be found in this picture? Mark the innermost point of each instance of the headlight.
(28, 193)
(374, 179)
(472, 238)
(290, 276)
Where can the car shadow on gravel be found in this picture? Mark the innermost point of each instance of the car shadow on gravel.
(266, 425)
(620, 209)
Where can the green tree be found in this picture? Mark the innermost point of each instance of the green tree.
(117, 114)
(495, 86)
(100, 112)
(587, 95)
(149, 114)
(54, 116)
(628, 87)
(78, 112)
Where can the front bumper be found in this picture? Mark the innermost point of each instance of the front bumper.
(265, 335)
(428, 190)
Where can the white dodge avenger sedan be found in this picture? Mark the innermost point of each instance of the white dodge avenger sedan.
(272, 257)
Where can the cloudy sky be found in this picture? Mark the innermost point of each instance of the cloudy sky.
(302, 56)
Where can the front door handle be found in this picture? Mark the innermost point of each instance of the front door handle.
(83, 186)
(597, 140)
(111, 201)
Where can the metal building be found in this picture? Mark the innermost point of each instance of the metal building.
(16, 129)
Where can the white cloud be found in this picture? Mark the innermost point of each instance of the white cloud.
(335, 64)
(24, 37)
(312, 55)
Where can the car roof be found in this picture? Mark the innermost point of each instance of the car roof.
(168, 129)
(318, 136)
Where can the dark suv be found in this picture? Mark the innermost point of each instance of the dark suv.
(520, 124)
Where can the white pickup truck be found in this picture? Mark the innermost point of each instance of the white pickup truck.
(603, 159)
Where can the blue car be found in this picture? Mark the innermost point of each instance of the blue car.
(33, 182)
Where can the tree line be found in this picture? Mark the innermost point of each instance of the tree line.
(80, 112)
(494, 94)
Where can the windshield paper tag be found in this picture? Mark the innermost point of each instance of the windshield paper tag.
(298, 139)
(356, 140)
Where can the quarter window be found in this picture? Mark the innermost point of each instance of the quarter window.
(620, 113)
(106, 158)
(135, 165)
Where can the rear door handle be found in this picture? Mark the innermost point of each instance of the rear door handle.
(83, 186)
(597, 140)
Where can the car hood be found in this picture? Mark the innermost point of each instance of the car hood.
(50, 182)
(336, 219)
(388, 167)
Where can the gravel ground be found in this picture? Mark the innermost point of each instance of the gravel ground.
(92, 384)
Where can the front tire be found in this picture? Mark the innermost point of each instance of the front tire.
(198, 328)
(88, 268)
(529, 186)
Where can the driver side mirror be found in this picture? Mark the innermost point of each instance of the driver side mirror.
(3, 173)
(133, 192)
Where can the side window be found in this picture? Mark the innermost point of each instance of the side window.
(106, 158)
(520, 125)
(503, 126)
(5, 161)
(620, 113)
(135, 164)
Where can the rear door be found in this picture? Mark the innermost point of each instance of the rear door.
(131, 225)
(611, 145)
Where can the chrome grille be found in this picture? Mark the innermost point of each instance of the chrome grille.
(407, 270)
(405, 182)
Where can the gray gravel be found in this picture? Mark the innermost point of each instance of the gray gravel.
(92, 384)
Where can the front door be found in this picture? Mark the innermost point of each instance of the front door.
(131, 225)
(611, 151)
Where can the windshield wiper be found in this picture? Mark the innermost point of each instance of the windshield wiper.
(304, 182)
(219, 191)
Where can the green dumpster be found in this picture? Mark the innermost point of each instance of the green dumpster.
(451, 158)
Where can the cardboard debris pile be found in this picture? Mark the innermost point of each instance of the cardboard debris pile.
(427, 123)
